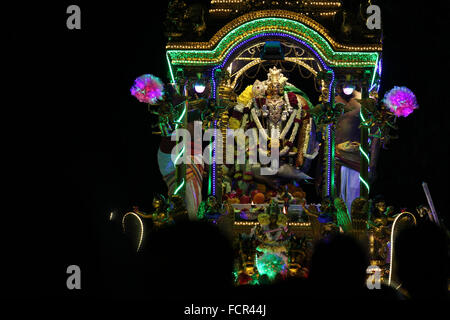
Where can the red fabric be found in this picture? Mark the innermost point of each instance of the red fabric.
(251, 124)
(293, 99)
(260, 101)
(244, 278)
(237, 114)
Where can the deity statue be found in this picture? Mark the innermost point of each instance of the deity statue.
(280, 113)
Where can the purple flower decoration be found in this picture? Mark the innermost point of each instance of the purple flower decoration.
(401, 101)
(148, 88)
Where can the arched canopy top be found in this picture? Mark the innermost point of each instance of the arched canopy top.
(250, 25)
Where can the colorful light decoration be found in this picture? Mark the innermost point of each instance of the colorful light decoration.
(329, 163)
(291, 224)
(180, 121)
(170, 69)
(214, 160)
(279, 25)
(330, 159)
(372, 83)
(179, 187)
(141, 225)
(270, 264)
(148, 89)
(364, 153)
(199, 87)
(348, 89)
(401, 101)
(391, 251)
(271, 14)
(276, 34)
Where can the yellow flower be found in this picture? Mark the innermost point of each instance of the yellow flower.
(246, 96)
(234, 123)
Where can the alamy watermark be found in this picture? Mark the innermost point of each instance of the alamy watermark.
(374, 20)
(74, 279)
(374, 279)
(74, 20)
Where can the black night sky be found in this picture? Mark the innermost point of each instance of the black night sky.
(82, 145)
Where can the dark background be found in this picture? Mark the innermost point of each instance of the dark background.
(79, 145)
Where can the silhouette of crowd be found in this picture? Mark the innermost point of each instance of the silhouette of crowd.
(194, 260)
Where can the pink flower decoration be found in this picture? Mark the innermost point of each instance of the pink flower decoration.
(401, 101)
(148, 88)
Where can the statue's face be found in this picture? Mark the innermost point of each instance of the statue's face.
(250, 270)
(274, 89)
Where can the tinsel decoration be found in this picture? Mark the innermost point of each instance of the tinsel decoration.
(148, 89)
(401, 101)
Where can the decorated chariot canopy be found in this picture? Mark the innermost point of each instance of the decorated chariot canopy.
(240, 36)
(222, 48)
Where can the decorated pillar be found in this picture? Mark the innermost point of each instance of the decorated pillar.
(181, 122)
(327, 120)
(364, 187)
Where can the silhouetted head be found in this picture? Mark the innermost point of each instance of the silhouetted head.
(188, 259)
(422, 261)
(338, 265)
